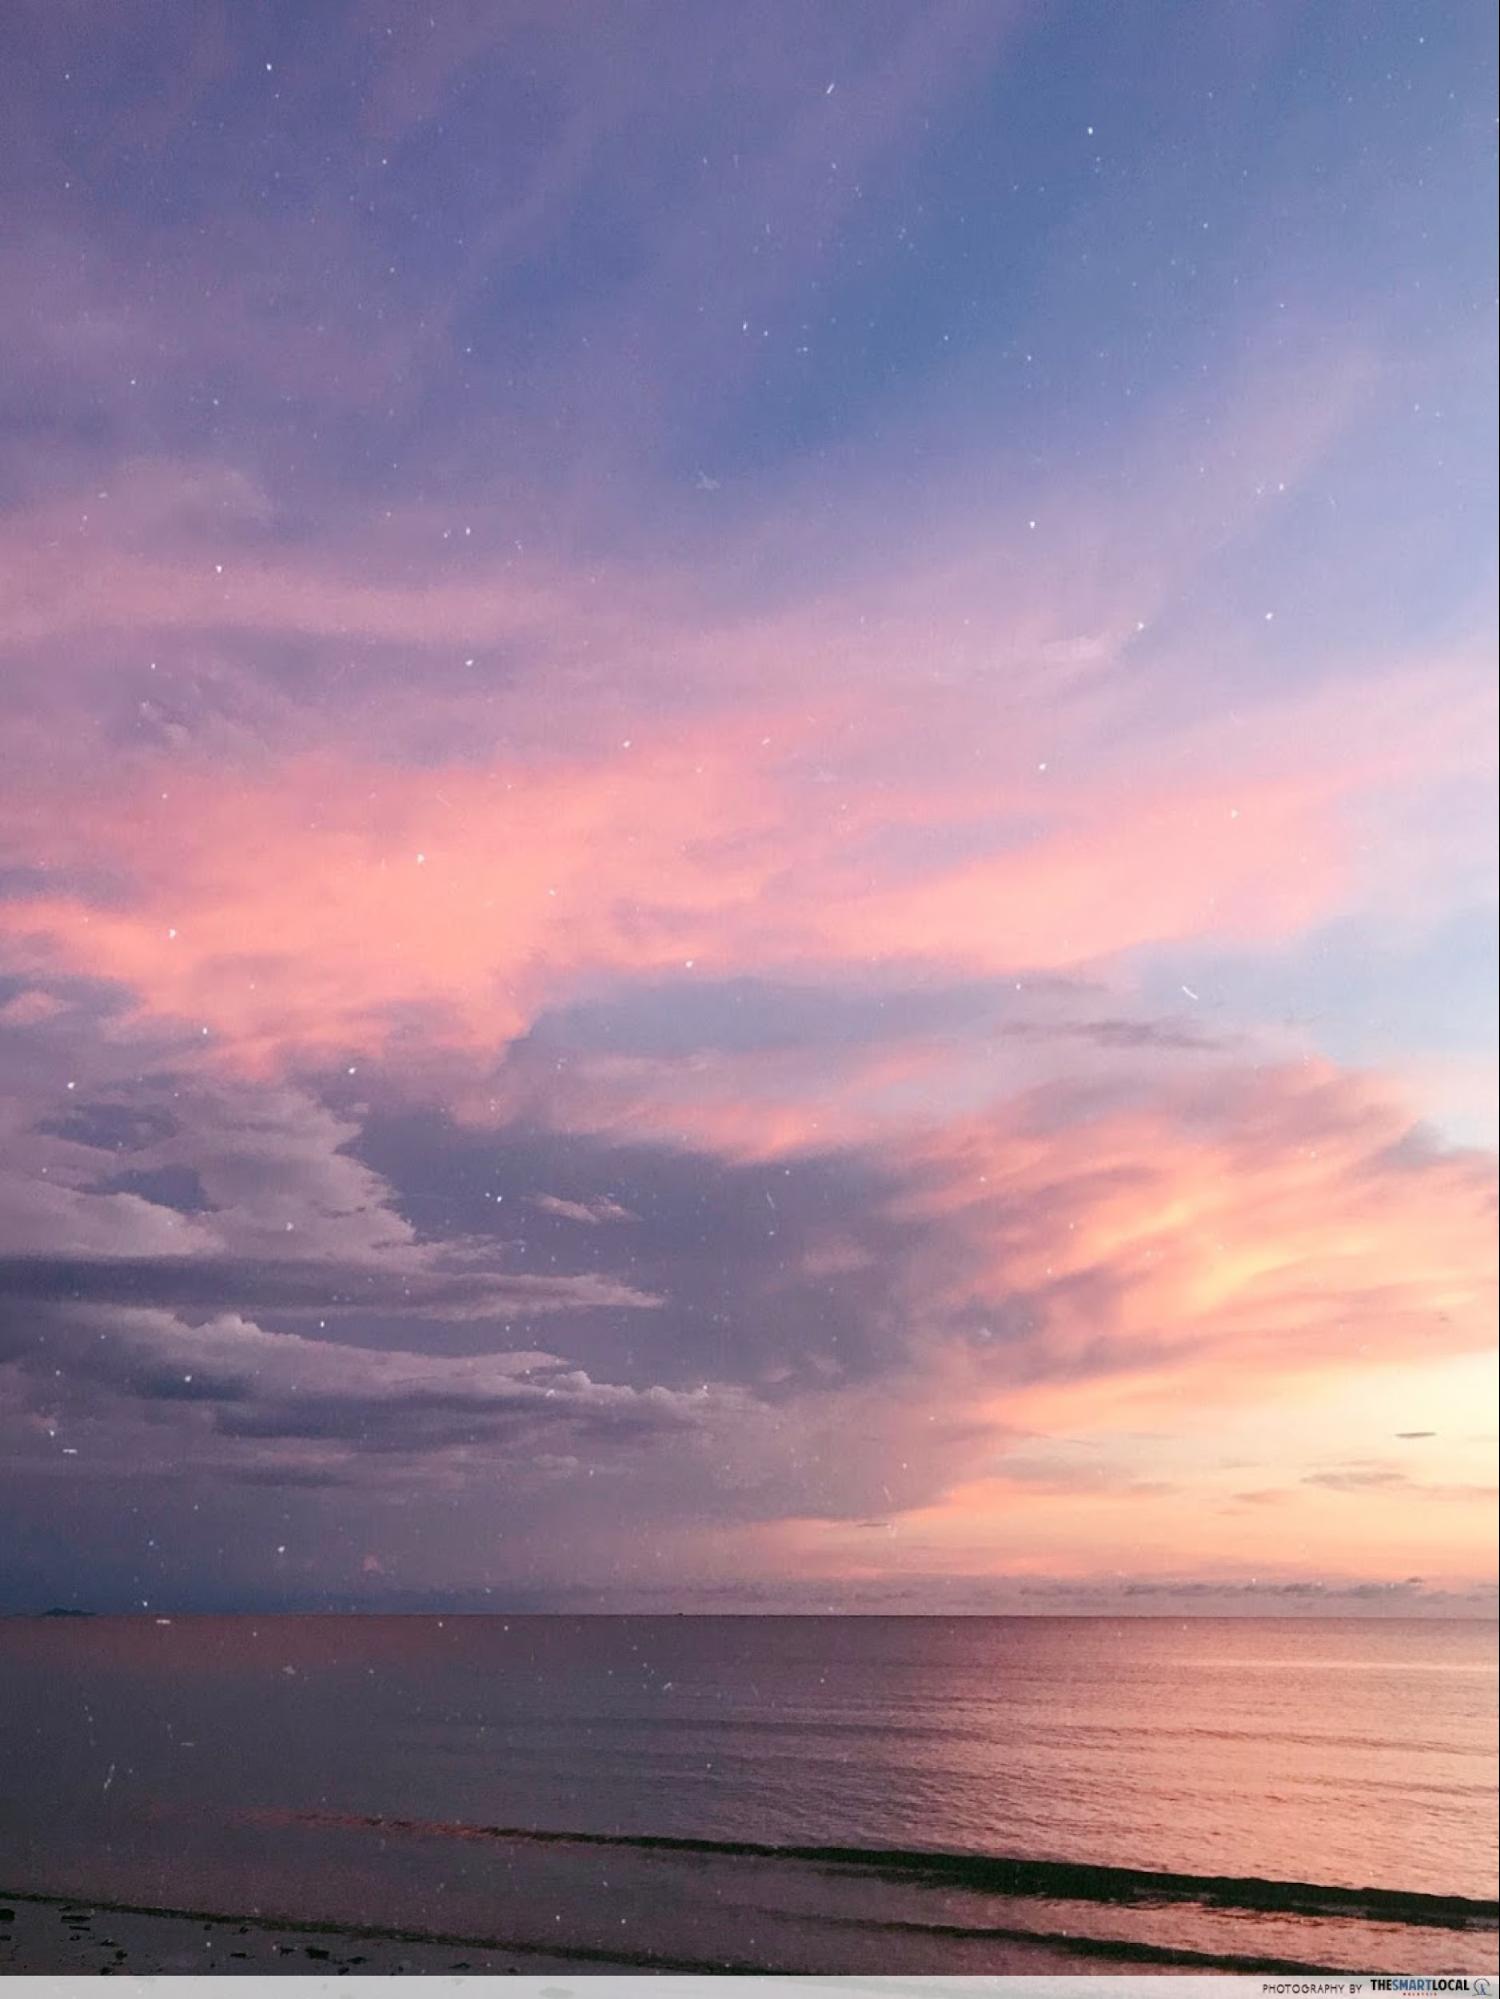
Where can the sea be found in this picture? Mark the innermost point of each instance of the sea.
(902, 1795)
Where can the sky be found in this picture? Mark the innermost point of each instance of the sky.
(746, 806)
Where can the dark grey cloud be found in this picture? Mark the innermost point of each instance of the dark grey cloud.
(1120, 1033)
(253, 1384)
(71, 999)
(746, 1016)
(24, 884)
(419, 1419)
(286, 1477)
(742, 1017)
(778, 1274)
(175, 1187)
(206, 1283)
(111, 1126)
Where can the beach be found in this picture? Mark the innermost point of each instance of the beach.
(52, 1935)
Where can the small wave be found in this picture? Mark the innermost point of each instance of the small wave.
(1123, 1950)
(995, 1874)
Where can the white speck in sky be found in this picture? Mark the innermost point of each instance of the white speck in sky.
(1190, 993)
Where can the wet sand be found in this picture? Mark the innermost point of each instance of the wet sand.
(45, 1934)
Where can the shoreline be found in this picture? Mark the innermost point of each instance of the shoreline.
(45, 1934)
(67, 1934)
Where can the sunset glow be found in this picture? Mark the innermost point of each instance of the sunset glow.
(746, 810)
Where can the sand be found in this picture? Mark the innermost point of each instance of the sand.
(49, 1934)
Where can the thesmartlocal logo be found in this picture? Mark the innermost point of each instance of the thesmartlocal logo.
(1285, 1988)
(1480, 1986)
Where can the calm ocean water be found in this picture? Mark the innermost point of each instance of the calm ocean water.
(1023, 1793)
